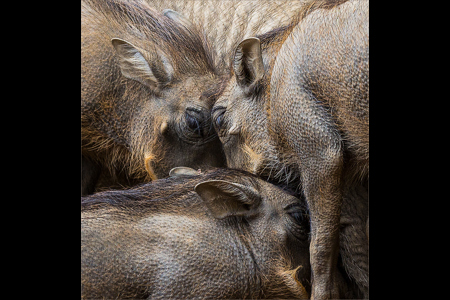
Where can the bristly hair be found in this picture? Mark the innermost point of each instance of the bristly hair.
(277, 169)
(166, 189)
(140, 24)
(144, 27)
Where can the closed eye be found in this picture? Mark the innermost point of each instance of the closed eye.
(296, 212)
(194, 124)
(219, 120)
(218, 116)
(297, 216)
(300, 225)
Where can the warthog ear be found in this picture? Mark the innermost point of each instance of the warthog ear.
(225, 199)
(248, 64)
(154, 72)
(182, 171)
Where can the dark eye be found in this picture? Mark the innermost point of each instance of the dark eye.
(194, 124)
(297, 216)
(300, 225)
(218, 116)
(219, 120)
(296, 212)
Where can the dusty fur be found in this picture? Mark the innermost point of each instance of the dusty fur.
(116, 131)
(263, 266)
(307, 117)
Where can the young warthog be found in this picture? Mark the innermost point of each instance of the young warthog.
(147, 86)
(220, 234)
(296, 110)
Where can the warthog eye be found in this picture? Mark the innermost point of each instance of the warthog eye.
(219, 120)
(300, 224)
(298, 216)
(296, 212)
(194, 124)
(218, 113)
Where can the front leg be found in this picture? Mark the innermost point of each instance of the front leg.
(303, 126)
(322, 188)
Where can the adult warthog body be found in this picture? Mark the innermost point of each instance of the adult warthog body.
(147, 86)
(303, 117)
(220, 234)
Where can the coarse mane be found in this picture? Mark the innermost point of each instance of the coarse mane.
(140, 24)
(140, 196)
(166, 190)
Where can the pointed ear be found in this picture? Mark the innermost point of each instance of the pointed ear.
(225, 198)
(154, 72)
(248, 64)
(182, 171)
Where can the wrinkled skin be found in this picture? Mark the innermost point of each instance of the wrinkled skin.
(303, 118)
(147, 87)
(220, 234)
